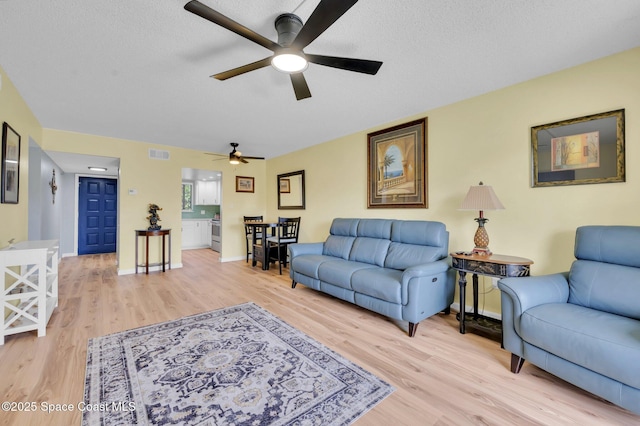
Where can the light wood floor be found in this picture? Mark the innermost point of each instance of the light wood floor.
(441, 377)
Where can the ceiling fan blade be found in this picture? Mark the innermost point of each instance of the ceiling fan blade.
(242, 160)
(253, 158)
(243, 69)
(209, 14)
(358, 65)
(300, 86)
(326, 13)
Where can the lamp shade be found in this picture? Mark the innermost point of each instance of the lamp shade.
(481, 197)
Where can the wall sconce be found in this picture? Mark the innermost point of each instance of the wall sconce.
(53, 186)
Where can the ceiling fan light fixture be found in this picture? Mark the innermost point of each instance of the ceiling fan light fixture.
(289, 62)
(234, 160)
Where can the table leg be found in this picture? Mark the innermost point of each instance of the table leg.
(475, 297)
(169, 249)
(146, 259)
(462, 282)
(137, 237)
(253, 243)
(265, 250)
(163, 248)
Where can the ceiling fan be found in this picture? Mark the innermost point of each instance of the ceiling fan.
(235, 156)
(293, 37)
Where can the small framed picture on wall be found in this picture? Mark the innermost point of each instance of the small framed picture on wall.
(244, 184)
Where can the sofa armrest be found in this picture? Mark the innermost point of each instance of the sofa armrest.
(424, 270)
(298, 249)
(426, 289)
(519, 294)
(527, 292)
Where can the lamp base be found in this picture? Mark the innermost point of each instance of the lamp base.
(483, 251)
(481, 238)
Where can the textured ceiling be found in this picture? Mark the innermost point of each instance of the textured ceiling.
(139, 69)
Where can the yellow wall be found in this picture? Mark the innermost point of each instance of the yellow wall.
(13, 110)
(159, 182)
(484, 138)
(487, 138)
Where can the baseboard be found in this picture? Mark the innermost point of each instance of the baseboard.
(233, 259)
(151, 269)
(456, 307)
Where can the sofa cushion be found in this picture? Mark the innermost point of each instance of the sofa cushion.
(610, 244)
(369, 250)
(599, 341)
(606, 287)
(380, 283)
(375, 228)
(421, 233)
(344, 227)
(338, 272)
(309, 264)
(401, 256)
(338, 246)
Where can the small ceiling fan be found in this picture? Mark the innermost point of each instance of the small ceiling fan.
(236, 157)
(293, 37)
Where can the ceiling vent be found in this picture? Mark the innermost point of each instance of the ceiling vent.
(158, 154)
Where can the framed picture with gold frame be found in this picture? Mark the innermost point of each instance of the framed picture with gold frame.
(397, 166)
(584, 150)
(244, 184)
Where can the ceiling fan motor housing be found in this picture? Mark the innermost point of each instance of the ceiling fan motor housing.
(288, 26)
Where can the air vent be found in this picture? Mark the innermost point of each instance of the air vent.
(158, 154)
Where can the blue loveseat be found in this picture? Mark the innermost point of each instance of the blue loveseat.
(582, 326)
(396, 268)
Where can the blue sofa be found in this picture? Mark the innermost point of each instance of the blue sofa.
(582, 326)
(393, 267)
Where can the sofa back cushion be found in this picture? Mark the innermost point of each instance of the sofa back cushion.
(606, 274)
(619, 245)
(344, 227)
(605, 287)
(369, 250)
(372, 241)
(414, 242)
(375, 228)
(341, 237)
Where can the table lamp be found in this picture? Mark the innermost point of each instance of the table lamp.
(481, 198)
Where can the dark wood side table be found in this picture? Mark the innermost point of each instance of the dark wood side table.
(164, 233)
(260, 252)
(494, 265)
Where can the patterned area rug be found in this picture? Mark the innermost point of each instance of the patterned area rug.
(233, 366)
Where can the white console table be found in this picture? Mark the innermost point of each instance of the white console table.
(29, 284)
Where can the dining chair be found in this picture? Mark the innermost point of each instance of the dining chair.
(248, 231)
(287, 233)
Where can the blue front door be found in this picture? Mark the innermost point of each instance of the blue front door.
(97, 215)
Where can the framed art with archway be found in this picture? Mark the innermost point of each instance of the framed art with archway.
(397, 166)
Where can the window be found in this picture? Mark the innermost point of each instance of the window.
(187, 196)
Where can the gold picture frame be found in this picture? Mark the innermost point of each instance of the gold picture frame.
(245, 184)
(583, 150)
(397, 166)
(285, 186)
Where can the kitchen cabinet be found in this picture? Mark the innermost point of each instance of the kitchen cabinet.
(196, 233)
(207, 193)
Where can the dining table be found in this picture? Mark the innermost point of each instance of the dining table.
(260, 252)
